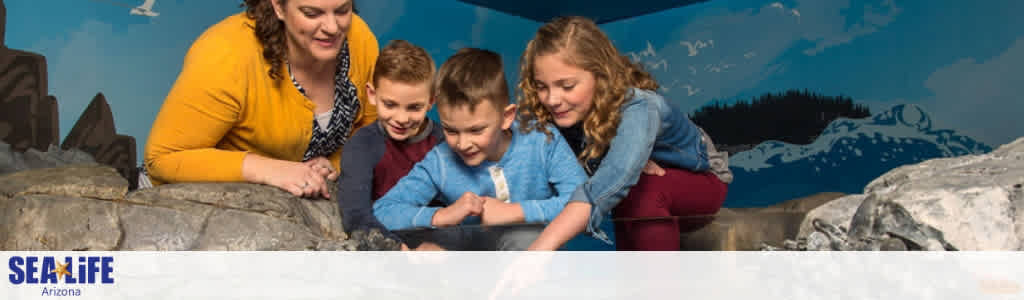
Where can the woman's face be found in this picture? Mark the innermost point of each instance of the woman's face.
(565, 90)
(315, 28)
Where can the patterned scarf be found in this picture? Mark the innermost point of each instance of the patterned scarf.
(343, 115)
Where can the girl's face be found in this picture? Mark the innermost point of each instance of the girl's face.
(566, 90)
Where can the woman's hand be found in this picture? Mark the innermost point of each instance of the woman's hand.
(323, 166)
(301, 179)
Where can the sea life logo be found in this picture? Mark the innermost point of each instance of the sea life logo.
(61, 277)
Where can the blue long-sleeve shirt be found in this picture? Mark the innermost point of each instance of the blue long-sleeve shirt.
(540, 174)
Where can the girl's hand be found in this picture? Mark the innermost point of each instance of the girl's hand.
(652, 168)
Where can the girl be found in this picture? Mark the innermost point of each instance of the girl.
(608, 110)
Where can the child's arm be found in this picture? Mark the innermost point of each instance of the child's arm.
(570, 222)
(619, 171)
(564, 173)
(405, 205)
(355, 185)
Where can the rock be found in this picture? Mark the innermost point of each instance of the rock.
(230, 229)
(13, 161)
(48, 222)
(28, 116)
(163, 229)
(748, 228)
(966, 203)
(373, 240)
(817, 241)
(66, 208)
(86, 181)
(55, 157)
(94, 133)
(323, 217)
(838, 212)
(335, 245)
(88, 207)
(878, 225)
(320, 215)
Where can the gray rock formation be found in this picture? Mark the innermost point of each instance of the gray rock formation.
(89, 207)
(968, 203)
(876, 225)
(13, 161)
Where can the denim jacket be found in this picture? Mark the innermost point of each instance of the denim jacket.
(650, 128)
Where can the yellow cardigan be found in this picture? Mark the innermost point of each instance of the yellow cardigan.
(224, 105)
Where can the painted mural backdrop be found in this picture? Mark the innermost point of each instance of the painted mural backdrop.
(808, 95)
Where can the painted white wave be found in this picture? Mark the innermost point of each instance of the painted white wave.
(901, 124)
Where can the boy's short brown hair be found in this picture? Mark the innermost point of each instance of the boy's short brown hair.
(470, 76)
(401, 61)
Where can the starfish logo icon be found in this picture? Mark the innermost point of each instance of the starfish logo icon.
(61, 270)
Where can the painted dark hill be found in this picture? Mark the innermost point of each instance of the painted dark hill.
(795, 117)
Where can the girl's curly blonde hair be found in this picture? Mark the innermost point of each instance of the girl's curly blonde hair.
(584, 46)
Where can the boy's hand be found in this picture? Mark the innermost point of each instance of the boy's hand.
(468, 205)
(498, 212)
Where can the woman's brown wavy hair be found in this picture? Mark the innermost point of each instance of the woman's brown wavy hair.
(271, 33)
(585, 46)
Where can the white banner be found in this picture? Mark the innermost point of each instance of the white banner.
(514, 275)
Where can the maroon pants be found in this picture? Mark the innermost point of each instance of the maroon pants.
(657, 198)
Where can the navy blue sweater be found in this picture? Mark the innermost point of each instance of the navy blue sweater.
(371, 164)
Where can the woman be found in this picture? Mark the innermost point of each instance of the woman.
(607, 109)
(267, 96)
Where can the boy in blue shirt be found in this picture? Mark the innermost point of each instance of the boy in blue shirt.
(485, 172)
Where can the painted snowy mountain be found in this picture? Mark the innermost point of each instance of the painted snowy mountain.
(847, 155)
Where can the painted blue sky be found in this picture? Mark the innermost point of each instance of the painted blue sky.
(960, 60)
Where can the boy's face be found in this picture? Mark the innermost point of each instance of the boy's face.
(401, 107)
(478, 134)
